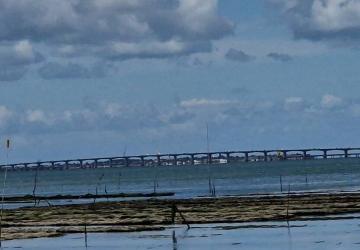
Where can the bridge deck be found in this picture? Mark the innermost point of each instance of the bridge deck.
(218, 157)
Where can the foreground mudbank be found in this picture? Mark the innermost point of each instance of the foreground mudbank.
(154, 214)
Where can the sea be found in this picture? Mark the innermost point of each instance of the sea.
(251, 178)
(240, 178)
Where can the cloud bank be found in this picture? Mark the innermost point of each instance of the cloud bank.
(105, 30)
(335, 21)
(188, 112)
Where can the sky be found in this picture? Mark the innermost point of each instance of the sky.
(93, 78)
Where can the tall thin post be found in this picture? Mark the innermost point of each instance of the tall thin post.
(35, 184)
(85, 235)
(210, 186)
(207, 138)
(154, 185)
(208, 159)
(287, 206)
(125, 151)
(3, 190)
(119, 181)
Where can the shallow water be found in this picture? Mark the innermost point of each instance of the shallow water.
(330, 234)
(192, 181)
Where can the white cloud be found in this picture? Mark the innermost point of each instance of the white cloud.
(15, 58)
(153, 49)
(37, 116)
(5, 115)
(355, 110)
(293, 104)
(330, 101)
(330, 20)
(335, 15)
(105, 30)
(24, 49)
(200, 16)
(113, 110)
(92, 26)
(202, 102)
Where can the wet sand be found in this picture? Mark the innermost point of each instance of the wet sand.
(156, 214)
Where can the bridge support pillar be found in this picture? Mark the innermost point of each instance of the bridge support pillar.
(284, 152)
(81, 163)
(209, 158)
(127, 162)
(142, 159)
(265, 156)
(346, 153)
(192, 159)
(246, 156)
(304, 154)
(325, 154)
(175, 160)
(158, 159)
(227, 157)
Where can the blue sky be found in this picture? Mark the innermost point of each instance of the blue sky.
(97, 78)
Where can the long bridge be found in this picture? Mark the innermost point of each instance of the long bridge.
(197, 158)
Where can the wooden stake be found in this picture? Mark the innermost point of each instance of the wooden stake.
(35, 185)
(85, 235)
(287, 206)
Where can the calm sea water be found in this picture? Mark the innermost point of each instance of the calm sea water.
(193, 181)
(332, 234)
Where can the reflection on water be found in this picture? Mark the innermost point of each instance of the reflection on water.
(174, 240)
(190, 181)
(329, 234)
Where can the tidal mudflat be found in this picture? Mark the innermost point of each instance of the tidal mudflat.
(157, 214)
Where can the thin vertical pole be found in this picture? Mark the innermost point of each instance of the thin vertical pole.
(85, 235)
(207, 138)
(3, 190)
(209, 161)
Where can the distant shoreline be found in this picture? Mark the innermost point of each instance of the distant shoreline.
(156, 214)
